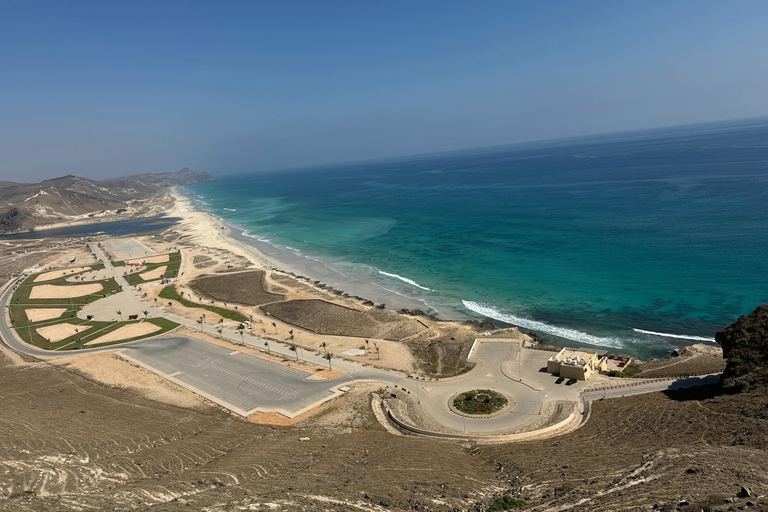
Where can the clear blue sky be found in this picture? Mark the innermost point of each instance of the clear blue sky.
(108, 88)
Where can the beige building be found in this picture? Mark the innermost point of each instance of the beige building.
(577, 364)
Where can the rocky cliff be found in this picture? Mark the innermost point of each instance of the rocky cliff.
(745, 346)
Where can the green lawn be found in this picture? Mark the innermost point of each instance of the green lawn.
(172, 270)
(21, 296)
(27, 330)
(169, 292)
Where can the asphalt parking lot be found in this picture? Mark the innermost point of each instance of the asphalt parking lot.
(238, 381)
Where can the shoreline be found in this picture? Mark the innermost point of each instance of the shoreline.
(316, 271)
(286, 261)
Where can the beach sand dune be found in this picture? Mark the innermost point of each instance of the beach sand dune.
(40, 314)
(55, 274)
(58, 332)
(126, 332)
(49, 291)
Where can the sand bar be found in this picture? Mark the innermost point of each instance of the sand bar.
(55, 274)
(40, 314)
(58, 332)
(49, 291)
(153, 274)
(126, 332)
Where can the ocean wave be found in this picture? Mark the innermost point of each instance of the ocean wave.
(405, 280)
(230, 209)
(562, 332)
(678, 336)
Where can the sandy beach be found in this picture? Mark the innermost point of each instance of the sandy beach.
(209, 249)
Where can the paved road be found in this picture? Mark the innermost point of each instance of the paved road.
(246, 382)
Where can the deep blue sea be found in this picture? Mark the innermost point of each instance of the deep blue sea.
(635, 242)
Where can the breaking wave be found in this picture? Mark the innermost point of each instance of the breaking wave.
(562, 332)
(405, 280)
(678, 336)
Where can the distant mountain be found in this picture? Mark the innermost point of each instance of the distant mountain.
(25, 206)
(169, 179)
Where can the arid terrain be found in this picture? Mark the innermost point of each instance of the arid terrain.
(96, 432)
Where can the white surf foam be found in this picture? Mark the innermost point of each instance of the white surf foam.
(562, 332)
(678, 336)
(230, 209)
(405, 280)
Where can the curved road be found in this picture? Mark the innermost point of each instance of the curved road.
(502, 366)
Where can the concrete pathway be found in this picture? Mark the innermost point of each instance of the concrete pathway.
(500, 366)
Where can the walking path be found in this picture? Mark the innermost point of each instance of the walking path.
(501, 366)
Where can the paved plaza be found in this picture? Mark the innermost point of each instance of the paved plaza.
(243, 383)
(127, 248)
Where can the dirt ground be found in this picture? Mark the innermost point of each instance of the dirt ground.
(58, 332)
(694, 360)
(161, 258)
(101, 446)
(153, 274)
(40, 314)
(324, 317)
(246, 288)
(125, 332)
(110, 369)
(55, 274)
(50, 291)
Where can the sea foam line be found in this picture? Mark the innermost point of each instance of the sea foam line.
(406, 280)
(562, 332)
(678, 336)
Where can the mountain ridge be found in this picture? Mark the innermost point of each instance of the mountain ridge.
(27, 206)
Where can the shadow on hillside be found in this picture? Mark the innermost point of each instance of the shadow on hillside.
(696, 393)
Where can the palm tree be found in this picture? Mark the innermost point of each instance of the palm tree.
(329, 356)
(146, 314)
(120, 313)
(324, 345)
(366, 346)
(242, 337)
(378, 350)
(170, 305)
(220, 331)
(275, 326)
(155, 301)
(293, 349)
(266, 344)
(202, 323)
(290, 333)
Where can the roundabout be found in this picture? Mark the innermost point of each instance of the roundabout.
(481, 403)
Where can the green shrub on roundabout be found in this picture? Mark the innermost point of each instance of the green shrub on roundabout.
(480, 401)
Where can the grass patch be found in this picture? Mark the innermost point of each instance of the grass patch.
(507, 502)
(630, 370)
(21, 295)
(164, 324)
(169, 292)
(479, 401)
(172, 270)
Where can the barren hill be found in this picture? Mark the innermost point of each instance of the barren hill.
(25, 206)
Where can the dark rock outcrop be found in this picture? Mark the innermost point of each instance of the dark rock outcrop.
(745, 346)
(12, 220)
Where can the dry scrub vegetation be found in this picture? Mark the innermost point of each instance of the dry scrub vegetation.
(70, 443)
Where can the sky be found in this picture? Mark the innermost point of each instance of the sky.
(102, 89)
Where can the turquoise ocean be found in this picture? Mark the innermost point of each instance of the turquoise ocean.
(634, 242)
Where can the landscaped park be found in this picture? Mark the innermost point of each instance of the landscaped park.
(150, 268)
(44, 311)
